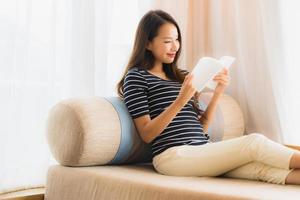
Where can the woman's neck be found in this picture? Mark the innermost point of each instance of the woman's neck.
(158, 67)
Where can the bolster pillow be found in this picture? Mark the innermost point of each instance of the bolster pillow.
(100, 131)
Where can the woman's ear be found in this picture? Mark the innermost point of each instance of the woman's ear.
(149, 46)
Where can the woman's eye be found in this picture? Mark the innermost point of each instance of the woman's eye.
(171, 41)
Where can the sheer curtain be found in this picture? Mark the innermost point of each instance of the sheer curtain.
(51, 50)
(262, 35)
(290, 70)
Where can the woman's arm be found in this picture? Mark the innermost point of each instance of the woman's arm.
(223, 80)
(208, 115)
(150, 129)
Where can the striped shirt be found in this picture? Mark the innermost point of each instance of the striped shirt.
(147, 94)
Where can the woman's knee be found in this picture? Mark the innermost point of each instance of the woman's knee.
(254, 142)
(256, 137)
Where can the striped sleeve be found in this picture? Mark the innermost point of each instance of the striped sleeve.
(135, 94)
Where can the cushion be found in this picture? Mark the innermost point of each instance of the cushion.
(99, 130)
(141, 181)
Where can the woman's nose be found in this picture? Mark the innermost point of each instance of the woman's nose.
(175, 45)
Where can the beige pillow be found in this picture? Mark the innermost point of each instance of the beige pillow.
(100, 131)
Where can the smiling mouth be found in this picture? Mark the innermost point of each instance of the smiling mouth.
(171, 55)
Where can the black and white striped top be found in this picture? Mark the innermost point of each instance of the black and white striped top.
(145, 93)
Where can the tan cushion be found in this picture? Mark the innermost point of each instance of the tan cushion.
(142, 182)
(99, 130)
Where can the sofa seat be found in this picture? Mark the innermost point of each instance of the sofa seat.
(142, 182)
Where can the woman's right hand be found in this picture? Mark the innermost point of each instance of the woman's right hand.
(187, 90)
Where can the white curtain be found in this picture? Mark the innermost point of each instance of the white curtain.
(51, 50)
(289, 71)
(264, 37)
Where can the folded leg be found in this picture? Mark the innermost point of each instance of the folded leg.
(259, 172)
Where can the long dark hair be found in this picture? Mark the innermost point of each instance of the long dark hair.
(143, 58)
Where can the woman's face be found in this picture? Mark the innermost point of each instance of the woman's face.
(165, 45)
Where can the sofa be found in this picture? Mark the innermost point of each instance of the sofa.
(101, 156)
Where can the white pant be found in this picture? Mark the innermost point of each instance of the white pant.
(251, 156)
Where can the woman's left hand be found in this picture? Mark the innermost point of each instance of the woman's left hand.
(223, 80)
